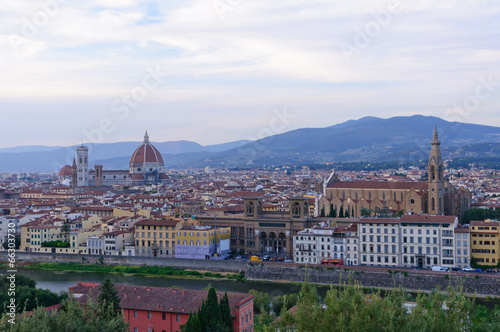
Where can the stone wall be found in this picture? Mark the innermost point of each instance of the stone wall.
(195, 264)
(414, 280)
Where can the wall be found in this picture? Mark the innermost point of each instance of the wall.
(195, 264)
(415, 280)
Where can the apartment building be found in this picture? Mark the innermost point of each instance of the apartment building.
(313, 245)
(156, 237)
(412, 240)
(202, 242)
(485, 241)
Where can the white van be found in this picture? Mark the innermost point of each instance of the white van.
(439, 269)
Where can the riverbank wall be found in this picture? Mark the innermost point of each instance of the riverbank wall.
(188, 264)
(484, 285)
(481, 284)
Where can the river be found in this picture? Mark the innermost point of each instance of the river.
(60, 281)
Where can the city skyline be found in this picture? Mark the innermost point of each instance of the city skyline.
(220, 71)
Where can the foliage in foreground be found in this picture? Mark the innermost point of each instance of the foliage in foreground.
(348, 308)
(71, 317)
(213, 315)
(27, 296)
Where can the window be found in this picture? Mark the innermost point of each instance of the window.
(149, 314)
(163, 316)
(135, 313)
(178, 318)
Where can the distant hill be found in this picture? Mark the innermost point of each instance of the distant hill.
(367, 139)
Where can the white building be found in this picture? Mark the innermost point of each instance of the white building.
(462, 240)
(313, 245)
(115, 242)
(352, 245)
(412, 240)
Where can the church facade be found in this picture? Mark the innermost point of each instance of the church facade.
(146, 166)
(436, 196)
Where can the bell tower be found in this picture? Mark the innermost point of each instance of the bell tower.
(435, 169)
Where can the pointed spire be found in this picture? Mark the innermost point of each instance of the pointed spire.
(146, 138)
(435, 134)
(74, 163)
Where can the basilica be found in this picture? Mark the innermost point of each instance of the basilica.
(436, 196)
(146, 167)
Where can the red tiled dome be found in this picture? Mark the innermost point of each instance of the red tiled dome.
(137, 177)
(163, 176)
(146, 153)
(66, 171)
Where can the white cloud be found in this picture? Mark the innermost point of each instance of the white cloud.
(263, 54)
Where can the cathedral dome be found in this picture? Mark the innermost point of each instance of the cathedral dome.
(146, 153)
(65, 171)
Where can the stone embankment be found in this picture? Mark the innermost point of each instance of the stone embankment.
(189, 264)
(483, 284)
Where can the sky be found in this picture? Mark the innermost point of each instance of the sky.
(214, 71)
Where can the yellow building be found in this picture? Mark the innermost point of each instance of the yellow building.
(485, 241)
(156, 238)
(78, 238)
(44, 233)
(202, 242)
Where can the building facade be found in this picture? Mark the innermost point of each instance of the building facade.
(485, 238)
(156, 238)
(436, 196)
(202, 242)
(149, 309)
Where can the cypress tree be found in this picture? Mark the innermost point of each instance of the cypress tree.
(334, 213)
(202, 315)
(352, 214)
(108, 296)
(213, 310)
(331, 211)
(341, 212)
(226, 313)
(322, 214)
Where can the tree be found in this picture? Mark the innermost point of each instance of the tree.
(213, 310)
(366, 212)
(341, 212)
(352, 212)
(225, 311)
(322, 214)
(330, 214)
(334, 213)
(65, 229)
(108, 297)
(17, 243)
(261, 300)
(71, 316)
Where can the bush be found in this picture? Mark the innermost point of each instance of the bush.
(55, 244)
(405, 273)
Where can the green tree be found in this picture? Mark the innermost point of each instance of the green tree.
(330, 214)
(108, 297)
(71, 316)
(17, 243)
(213, 310)
(261, 300)
(334, 213)
(322, 213)
(365, 212)
(341, 212)
(65, 229)
(225, 311)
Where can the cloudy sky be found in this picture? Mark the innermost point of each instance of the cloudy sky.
(214, 71)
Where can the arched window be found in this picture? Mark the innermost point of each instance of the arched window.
(433, 203)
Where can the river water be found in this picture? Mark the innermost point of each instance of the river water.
(60, 281)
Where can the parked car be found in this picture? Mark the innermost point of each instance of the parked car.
(468, 269)
(265, 257)
(455, 269)
(288, 260)
(238, 257)
(478, 270)
(490, 271)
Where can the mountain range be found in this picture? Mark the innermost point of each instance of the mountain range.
(403, 138)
